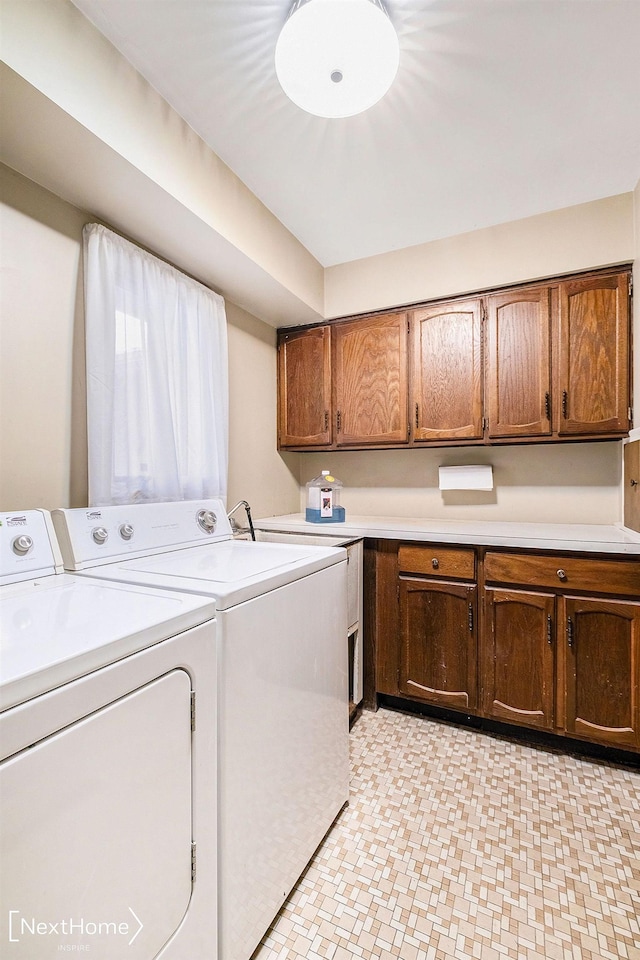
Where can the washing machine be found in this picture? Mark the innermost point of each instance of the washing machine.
(107, 764)
(282, 685)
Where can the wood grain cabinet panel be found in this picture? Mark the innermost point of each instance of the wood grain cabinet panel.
(438, 658)
(593, 380)
(519, 657)
(438, 561)
(304, 387)
(602, 672)
(564, 573)
(518, 375)
(446, 385)
(632, 485)
(370, 380)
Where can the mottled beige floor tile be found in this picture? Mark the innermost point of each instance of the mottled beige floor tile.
(457, 845)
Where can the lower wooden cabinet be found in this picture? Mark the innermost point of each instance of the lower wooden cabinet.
(564, 664)
(601, 660)
(518, 666)
(438, 642)
(554, 644)
(560, 661)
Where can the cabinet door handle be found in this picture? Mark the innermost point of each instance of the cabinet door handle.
(326, 419)
(565, 404)
(339, 421)
(570, 631)
(470, 615)
(547, 406)
(549, 629)
(417, 416)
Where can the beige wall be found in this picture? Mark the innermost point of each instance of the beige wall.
(257, 472)
(557, 483)
(42, 389)
(102, 138)
(42, 407)
(588, 235)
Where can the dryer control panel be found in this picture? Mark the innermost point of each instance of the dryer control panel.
(28, 546)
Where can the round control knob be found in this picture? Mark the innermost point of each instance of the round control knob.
(22, 544)
(207, 520)
(435, 563)
(561, 574)
(126, 531)
(100, 535)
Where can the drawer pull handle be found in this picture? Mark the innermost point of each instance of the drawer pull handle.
(435, 563)
(549, 630)
(570, 631)
(561, 574)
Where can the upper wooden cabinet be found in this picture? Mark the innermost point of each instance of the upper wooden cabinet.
(539, 362)
(446, 382)
(304, 387)
(593, 376)
(370, 380)
(518, 375)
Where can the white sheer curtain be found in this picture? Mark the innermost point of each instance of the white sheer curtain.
(157, 387)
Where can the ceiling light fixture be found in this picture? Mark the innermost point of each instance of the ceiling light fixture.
(336, 58)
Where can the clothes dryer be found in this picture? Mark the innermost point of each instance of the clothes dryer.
(107, 764)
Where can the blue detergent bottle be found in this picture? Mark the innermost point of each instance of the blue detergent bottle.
(323, 500)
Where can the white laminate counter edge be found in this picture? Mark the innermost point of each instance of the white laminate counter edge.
(587, 538)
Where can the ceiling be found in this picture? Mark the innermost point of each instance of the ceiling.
(501, 109)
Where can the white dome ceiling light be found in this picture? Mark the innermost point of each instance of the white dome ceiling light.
(336, 58)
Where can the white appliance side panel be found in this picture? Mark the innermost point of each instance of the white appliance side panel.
(96, 830)
(284, 754)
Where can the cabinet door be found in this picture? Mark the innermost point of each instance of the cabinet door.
(438, 659)
(518, 657)
(304, 388)
(593, 380)
(518, 400)
(446, 390)
(632, 485)
(370, 366)
(602, 667)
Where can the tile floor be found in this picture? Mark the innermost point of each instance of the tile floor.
(458, 845)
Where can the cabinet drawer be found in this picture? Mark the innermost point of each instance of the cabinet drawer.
(437, 561)
(565, 573)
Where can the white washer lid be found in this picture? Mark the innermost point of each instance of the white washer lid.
(231, 571)
(63, 627)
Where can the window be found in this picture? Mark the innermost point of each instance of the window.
(157, 388)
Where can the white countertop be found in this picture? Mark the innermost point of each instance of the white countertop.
(587, 537)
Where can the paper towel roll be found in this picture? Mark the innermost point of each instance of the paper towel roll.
(470, 477)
